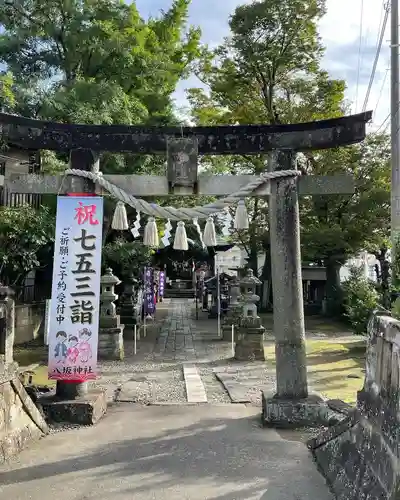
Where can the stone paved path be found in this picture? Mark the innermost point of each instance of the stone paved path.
(184, 364)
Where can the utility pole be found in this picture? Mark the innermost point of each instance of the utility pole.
(395, 135)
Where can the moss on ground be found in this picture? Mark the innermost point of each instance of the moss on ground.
(335, 368)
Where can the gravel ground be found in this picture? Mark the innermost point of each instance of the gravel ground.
(147, 380)
(155, 374)
(216, 392)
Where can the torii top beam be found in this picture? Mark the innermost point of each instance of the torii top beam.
(219, 140)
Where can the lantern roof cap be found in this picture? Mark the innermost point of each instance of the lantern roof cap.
(109, 279)
(250, 279)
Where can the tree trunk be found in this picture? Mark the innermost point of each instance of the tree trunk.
(253, 246)
(253, 257)
(334, 302)
(383, 277)
(266, 276)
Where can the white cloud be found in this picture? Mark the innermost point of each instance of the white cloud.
(340, 32)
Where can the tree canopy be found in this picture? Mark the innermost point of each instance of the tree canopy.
(97, 55)
(269, 70)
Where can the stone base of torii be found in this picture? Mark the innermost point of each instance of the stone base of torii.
(292, 404)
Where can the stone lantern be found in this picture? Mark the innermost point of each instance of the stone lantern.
(128, 305)
(212, 289)
(234, 309)
(235, 292)
(111, 342)
(250, 342)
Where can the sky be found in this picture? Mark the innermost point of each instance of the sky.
(345, 57)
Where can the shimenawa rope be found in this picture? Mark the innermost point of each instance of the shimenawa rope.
(179, 214)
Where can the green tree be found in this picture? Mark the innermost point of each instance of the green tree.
(269, 71)
(96, 62)
(7, 97)
(335, 228)
(266, 71)
(126, 258)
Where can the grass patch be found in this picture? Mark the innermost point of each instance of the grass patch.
(335, 369)
(30, 354)
(324, 326)
(313, 325)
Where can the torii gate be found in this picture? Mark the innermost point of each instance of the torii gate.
(291, 404)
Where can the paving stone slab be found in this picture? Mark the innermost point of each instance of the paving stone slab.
(195, 389)
(245, 383)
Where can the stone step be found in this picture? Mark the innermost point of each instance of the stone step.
(179, 294)
(195, 390)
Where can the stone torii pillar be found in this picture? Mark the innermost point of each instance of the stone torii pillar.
(291, 405)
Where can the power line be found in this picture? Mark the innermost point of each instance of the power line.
(377, 54)
(383, 7)
(386, 122)
(359, 51)
(383, 123)
(385, 4)
(381, 90)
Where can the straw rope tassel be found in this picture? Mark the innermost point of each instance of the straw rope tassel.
(150, 238)
(180, 241)
(120, 219)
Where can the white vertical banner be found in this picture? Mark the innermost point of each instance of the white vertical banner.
(75, 298)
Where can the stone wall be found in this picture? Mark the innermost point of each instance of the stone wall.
(20, 421)
(29, 322)
(360, 457)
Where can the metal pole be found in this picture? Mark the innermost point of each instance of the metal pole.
(196, 291)
(219, 303)
(395, 128)
(135, 339)
(233, 340)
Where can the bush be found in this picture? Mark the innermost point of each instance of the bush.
(25, 234)
(126, 258)
(360, 299)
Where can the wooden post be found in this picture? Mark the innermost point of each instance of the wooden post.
(82, 159)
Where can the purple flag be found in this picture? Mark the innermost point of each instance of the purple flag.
(161, 284)
(149, 291)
